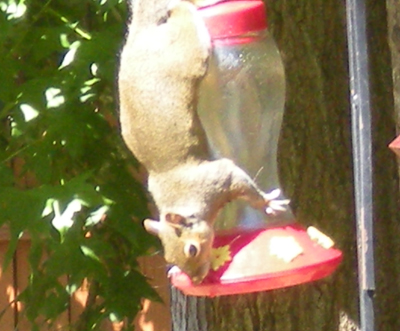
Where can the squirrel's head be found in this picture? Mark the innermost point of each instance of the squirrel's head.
(187, 243)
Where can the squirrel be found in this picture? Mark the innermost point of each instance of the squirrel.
(161, 65)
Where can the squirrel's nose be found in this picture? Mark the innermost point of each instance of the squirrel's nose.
(200, 273)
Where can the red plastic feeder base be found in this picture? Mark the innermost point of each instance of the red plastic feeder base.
(263, 259)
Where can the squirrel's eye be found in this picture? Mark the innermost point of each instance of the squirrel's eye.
(191, 250)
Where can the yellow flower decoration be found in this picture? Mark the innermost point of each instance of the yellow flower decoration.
(219, 256)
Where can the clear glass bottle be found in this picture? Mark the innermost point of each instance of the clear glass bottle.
(241, 101)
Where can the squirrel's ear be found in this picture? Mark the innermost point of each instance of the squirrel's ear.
(175, 220)
(152, 226)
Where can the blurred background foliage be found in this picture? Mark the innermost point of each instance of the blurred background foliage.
(66, 178)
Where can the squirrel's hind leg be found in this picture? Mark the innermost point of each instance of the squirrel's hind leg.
(243, 187)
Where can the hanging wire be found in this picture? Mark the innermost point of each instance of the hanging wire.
(362, 157)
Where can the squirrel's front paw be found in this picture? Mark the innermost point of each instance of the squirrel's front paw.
(173, 270)
(275, 205)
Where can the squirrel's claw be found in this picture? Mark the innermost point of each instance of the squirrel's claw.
(272, 195)
(275, 205)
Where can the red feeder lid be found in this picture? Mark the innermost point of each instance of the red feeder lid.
(234, 18)
(264, 259)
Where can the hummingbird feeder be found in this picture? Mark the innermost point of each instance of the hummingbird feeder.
(241, 105)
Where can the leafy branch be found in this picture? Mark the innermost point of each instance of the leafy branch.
(83, 207)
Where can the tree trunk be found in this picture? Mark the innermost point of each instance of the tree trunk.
(316, 173)
(394, 43)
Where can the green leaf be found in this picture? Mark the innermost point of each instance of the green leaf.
(6, 176)
(87, 251)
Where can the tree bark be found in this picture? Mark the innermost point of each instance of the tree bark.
(393, 8)
(316, 173)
